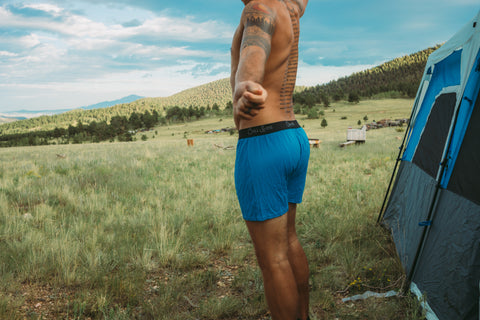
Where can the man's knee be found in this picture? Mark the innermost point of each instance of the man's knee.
(272, 263)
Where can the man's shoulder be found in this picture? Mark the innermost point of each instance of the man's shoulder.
(274, 9)
(264, 6)
(264, 9)
(276, 6)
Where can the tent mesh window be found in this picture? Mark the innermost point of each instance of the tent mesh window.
(464, 180)
(432, 143)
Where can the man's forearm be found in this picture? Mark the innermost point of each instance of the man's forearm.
(251, 66)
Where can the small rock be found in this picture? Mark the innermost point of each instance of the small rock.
(27, 216)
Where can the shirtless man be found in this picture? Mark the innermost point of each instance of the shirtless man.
(273, 150)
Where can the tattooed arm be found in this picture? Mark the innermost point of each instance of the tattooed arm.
(258, 27)
(256, 31)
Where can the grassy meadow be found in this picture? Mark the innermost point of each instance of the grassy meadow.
(152, 229)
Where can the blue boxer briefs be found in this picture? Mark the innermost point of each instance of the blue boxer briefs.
(270, 169)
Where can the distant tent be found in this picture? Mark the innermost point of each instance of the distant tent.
(433, 208)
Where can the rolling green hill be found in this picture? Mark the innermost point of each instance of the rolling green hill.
(216, 92)
(396, 78)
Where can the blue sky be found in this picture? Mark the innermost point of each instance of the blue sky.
(57, 54)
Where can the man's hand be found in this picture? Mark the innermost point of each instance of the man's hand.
(249, 99)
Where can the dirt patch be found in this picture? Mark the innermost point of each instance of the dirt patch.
(43, 301)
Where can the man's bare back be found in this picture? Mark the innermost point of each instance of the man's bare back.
(265, 61)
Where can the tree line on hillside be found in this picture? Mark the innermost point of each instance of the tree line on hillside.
(120, 128)
(397, 78)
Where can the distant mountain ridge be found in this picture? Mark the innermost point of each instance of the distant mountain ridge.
(9, 119)
(22, 114)
(106, 104)
(27, 114)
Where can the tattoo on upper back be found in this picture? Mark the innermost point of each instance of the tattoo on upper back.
(259, 27)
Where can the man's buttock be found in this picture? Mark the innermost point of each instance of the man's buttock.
(270, 169)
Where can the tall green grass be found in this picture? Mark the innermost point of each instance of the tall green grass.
(152, 229)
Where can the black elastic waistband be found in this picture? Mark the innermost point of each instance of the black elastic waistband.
(267, 128)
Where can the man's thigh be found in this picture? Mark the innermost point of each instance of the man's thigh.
(270, 239)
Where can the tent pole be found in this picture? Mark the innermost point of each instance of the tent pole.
(424, 234)
(401, 149)
(380, 215)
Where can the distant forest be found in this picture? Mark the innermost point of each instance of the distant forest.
(120, 128)
(398, 78)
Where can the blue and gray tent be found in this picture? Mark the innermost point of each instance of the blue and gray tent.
(433, 208)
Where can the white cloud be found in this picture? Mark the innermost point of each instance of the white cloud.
(44, 7)
(91, 44)
(4, 13)
(29, 41)
(7, 54)
(160, 28)
(182, 29)
(76, 47)
(311, 75)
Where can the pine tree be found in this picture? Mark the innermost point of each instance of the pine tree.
(324, 123)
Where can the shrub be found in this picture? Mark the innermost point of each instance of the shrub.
(312, 114)
(324, 123)
(353, 97)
